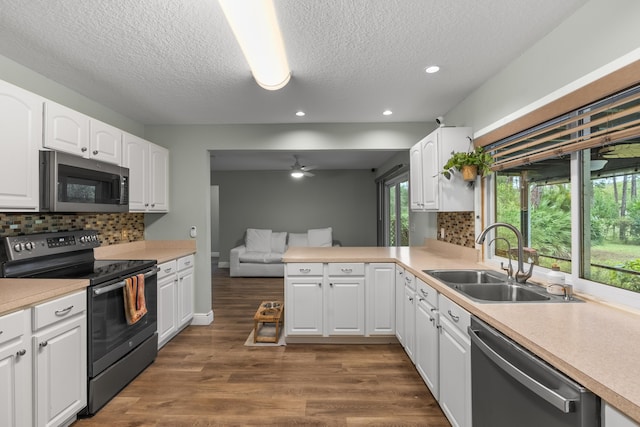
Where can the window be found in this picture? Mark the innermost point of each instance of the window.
(397, 212)
(593, 152)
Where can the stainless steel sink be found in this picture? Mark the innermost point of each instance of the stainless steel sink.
(490, 286)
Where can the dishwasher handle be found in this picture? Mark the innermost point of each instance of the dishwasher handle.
(565, 404)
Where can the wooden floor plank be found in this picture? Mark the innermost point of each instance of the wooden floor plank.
(206, 376)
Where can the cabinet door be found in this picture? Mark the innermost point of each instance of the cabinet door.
(430, 171)
(415, 178)
(427, 348)
(304, 307)
(66, 130)
(60, 376)
(15, 373)
(185, 296)
(409, 322)
(20, 139)
(135, 156)
(381, 299)
(455, 371)
(399, 285)
(158, 178)
(167, 312)
(345, 306)
(105, 142)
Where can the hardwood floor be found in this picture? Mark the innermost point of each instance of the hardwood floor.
(207, 377)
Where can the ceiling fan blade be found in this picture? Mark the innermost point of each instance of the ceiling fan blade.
(309, 168)
(305, 173)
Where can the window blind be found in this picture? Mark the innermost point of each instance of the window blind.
(608, 121)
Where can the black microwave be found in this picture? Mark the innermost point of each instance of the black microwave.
(74, 184)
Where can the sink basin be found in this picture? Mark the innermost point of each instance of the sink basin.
(468, 276)
(490, 286)
(501, 292)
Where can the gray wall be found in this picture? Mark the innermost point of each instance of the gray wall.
(343, 200)
(597, 34)
(190, 170)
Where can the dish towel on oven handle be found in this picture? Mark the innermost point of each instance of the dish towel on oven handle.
(135, 306)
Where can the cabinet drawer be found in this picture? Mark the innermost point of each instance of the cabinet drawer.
(427, 292)
(59, 309)
(456, 314)
(185, 262)
(304, 269)
(410, 280)
(167, 268)
(11, 326)
(346, 269)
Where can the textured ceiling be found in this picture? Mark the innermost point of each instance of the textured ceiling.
(176, 62)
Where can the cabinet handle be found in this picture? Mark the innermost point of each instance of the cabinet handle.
(64, 311)
(1, 332)
(426, 294)
(43, 344)
(434, 309)
(153, 205)
(453, 316)
(410, 299)
(346, 270)
(95, 152)
(146, 204)
(187, 263)
(167, 270)
(83, 149)
(20, 353)
(305, 270)
(320, 284)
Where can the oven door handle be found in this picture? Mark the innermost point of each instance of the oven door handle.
(118, 285)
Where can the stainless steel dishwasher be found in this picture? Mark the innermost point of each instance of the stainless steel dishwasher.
(512, 387)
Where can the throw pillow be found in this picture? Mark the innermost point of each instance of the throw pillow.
(298, 239)
(320, 236)
(258, 240)
(279, 241)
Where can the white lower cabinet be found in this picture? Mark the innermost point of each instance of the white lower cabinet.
(175, 297)
(409, 315)
(60, 359)
(427, 338)
(611, 417)
(15, 370)
(344, 311)
(304, 300)
(455, 363)
(381, 299)
(399, 291)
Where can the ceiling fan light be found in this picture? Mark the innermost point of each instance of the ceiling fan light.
(297, 173)
(255, 26)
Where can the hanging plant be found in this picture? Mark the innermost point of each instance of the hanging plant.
(471, 164)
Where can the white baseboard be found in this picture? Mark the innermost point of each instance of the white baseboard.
(223, 264)
(202, 319)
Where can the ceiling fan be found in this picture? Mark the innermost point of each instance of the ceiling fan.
(298, 171)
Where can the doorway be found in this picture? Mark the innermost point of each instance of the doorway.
(396, 197)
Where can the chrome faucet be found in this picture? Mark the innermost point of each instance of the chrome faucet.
(509, 268)
(521, 275)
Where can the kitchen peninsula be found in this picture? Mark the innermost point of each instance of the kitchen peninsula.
(592, 342)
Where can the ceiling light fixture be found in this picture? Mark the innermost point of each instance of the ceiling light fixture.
(387, 112)
(255, 26)
(300, 113)
(432, 69)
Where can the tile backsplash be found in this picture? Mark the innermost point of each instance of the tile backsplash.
(112, 227)
(459, 228)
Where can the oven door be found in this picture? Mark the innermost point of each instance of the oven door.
(109, 336)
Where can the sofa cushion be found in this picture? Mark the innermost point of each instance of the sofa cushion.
(258, 240)
(279, 241)
(261, 257)
(298, 239)
(320, 236)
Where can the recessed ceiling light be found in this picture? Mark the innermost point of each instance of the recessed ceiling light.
(387, 112)
(432, 69)
(300, 113)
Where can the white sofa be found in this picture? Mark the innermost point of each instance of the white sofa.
(261, 254)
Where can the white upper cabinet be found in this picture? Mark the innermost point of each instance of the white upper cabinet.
(429, 189)
(105, 142)
(20, 139)
(66, 130)
(72, 132)
(148, 174)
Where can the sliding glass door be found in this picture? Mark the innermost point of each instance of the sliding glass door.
(397, 211)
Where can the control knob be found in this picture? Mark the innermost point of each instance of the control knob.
(18, 247)
(29, 246)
